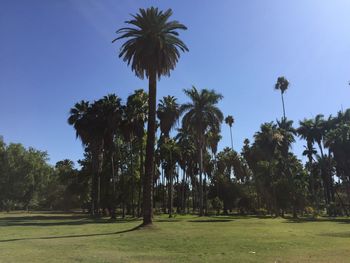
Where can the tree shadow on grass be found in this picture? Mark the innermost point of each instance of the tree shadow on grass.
(213, 220)
(169, 220)
(320, 219)
(71, 236)
(50, 220)
(340, 234)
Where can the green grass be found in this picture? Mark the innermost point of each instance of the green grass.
(44, 237)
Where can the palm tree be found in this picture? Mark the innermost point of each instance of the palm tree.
(87, 123)
(134, 122)
(202, 115)
(319, 131)
(265, 149)
(186, 143)
(137, 107)
(282, 85)
(111, 112)
(306, 132)
(287, 131)
(229, 120)
(168, 114)
(170, 153)
(152, 48)
(213, 138)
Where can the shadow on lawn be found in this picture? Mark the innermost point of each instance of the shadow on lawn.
(52, 220)
(72, 236)
(214, 220)
(320, 219)
(340, 234)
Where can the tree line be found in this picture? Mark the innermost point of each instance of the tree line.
(191, 175)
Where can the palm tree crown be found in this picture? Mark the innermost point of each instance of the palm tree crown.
(168, 113)
(229, 120)
(282, 84)
(202, 113)
(152, 43)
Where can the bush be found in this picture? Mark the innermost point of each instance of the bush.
(217, 204)
(261, 212)
(309, 210)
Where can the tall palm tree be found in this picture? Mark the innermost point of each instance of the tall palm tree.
(85, 119)
(229, 120)
(213, 137)
(135, 118)
(319, 131)
(168, 114)
(201, 116)
(137, 107)
(265, 148)
(186, 143)
(282, 85)
(170, 152)
(306, 132)
(287, 131)
(152, 48)
(111, 113)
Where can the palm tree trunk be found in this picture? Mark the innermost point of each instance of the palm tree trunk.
(141, 177)
(321, 150)
(163, 190)
(201, 179)
(132, 179)
(205, 194)
(113, 215)
(183, 191)
(284, 111)
(231, 137)
(149, 162)
(97, 159)
(122, 182)
(170, 193)
(312, 179)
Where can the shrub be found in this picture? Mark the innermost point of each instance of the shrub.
(217, 204)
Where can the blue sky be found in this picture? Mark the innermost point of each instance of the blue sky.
(55, 53)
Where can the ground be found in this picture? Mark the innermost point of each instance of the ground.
(58, 237)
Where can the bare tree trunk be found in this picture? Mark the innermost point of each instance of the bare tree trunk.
(113, 215)
(183, 191)
(170, 193)
(284, 111)
(201, 177)
(140, 183)
(231, 137)
(164, 191)
(123, 190)
(149, 163)
(132, 179)
(97, 160)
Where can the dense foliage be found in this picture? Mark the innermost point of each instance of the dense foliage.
(27, 181)
(190, 173)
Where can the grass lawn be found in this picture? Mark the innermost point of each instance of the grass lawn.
(48, 237)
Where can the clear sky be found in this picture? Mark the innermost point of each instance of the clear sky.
(55, 53)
